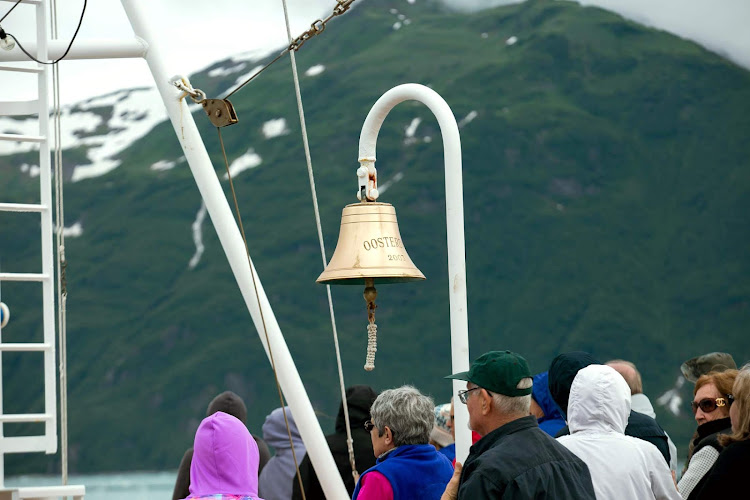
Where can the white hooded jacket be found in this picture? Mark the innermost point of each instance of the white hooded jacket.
(622, 467)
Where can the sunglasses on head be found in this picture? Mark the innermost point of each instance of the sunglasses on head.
(709, 405)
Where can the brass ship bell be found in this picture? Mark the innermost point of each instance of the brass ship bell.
(369, 251)
(369, 247)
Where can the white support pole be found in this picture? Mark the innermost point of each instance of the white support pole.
(231, 240)
(454, 208)
(48, 261)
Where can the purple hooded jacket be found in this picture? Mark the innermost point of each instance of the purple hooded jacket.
(225, 459)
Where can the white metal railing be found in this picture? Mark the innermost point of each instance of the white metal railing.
(22, 207)
(25, 277)
(17, 69)
(25, 347)
(26, 417)
(52, 492)
(46, 442)
(25, 138)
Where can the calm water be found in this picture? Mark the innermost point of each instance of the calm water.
(124, 486)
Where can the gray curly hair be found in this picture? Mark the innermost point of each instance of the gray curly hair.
(409, 414)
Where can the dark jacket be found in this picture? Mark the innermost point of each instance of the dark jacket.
(564, 369)
(727, 477)
(359, 400)
(708, 435)
(519, 460)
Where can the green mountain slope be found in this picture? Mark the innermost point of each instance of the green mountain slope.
(605, 186)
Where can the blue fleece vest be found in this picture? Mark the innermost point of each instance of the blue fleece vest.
(415, 471)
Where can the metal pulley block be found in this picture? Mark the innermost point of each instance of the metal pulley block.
(220, 112)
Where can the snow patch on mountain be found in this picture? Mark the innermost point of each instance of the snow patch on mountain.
(32, 170)
(124, 117)
(468, 118)
(275, 128)
(247, 161)
(410, 130)
(315, 70)
(73, 231)
(672, 399)
(75, 124)
(218, 72)
(198, 236)
(382, 188)
(132, 118)
(163, 165)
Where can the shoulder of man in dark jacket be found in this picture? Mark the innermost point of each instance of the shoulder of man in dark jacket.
(521, 461)
(359, 400)
(310, 483)
(642, 427)
(363, 456)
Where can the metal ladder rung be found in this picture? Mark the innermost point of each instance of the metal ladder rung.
(22, 138)
(25, 347)
(22, 207)
(25, 417)
(19, 108)
(23, 277)
(76, 491)
(23, 444)
(20, 69)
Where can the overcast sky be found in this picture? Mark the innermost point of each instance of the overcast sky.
(194, 37)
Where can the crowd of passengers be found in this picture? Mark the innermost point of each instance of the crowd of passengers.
(581, 430)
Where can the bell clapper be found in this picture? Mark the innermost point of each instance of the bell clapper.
(372, 329)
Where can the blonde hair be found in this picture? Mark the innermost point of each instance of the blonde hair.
(741, 393)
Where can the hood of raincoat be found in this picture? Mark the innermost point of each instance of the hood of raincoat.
(562, 371)
(225, 458)
(599, 401)
(275, 480)
(359, 399)
(274, 430)
(540, 393)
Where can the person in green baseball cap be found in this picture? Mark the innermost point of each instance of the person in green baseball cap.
(518, 460)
